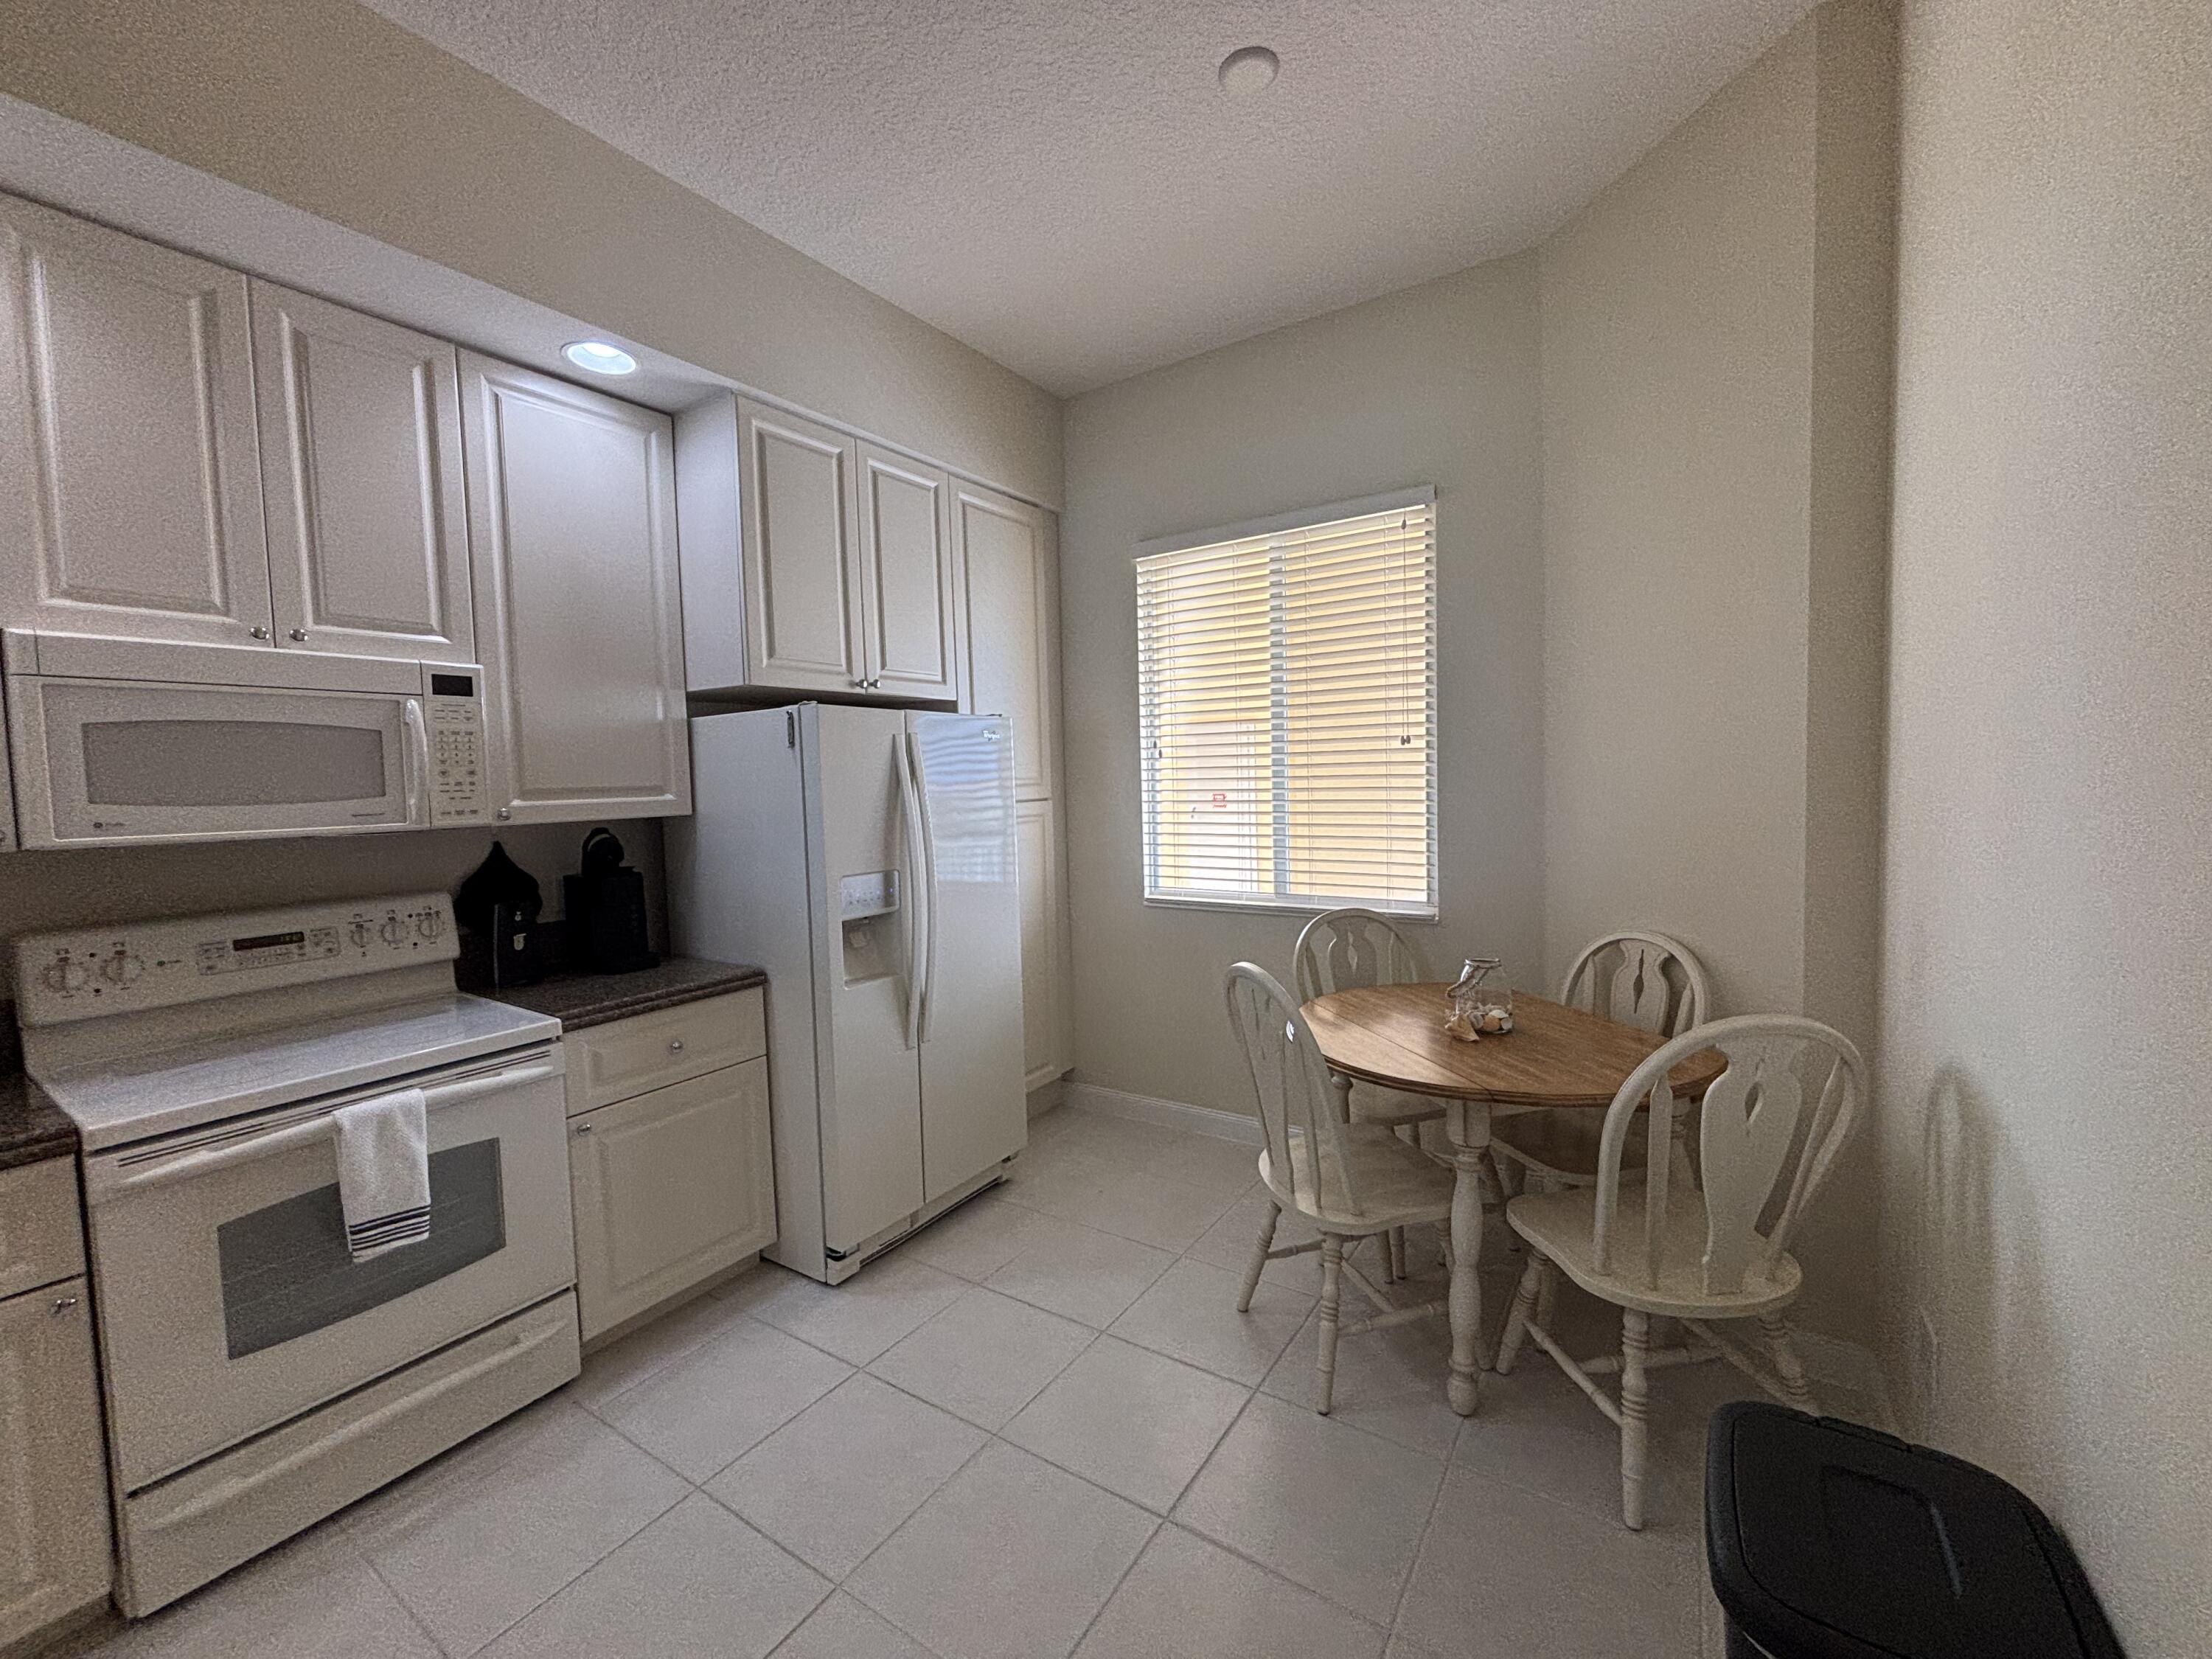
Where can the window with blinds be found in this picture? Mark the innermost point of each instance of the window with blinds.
(1287, 677)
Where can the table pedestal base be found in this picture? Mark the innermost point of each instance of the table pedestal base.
(1467, 1125)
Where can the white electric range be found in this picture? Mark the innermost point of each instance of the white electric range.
(258, 1378)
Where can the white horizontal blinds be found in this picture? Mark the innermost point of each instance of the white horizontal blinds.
(1288, 688)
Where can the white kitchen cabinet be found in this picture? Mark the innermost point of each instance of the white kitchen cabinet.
(54, 1550)
(578, 625)
(130, 483)
(1008, 552)
(1044, 942)
(814, 562)
(361, 469)
(675, 1184)
(912, 636)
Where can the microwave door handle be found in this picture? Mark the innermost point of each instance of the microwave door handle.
(208, 1160)
(417, 761)
(929, 883)
(916, 919)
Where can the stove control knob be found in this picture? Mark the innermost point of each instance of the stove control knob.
(121, 967)
(360, 934)
(427, 925)
(65, 974)
(393, 931)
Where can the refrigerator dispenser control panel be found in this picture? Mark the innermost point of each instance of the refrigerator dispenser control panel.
(875, 894)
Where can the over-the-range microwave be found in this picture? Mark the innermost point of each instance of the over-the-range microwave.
(116, 742)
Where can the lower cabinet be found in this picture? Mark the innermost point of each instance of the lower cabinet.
(54, 1544)
(669, 1188)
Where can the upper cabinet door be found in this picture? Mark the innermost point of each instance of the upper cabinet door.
(572, 521)
(801, 560)
(910, 581)
(1006, 552)
(130, 489)
(361, 465)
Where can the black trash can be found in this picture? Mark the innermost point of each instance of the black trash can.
(1827, 1541)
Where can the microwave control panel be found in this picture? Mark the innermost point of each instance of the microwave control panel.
(133, 966)
(454, 713)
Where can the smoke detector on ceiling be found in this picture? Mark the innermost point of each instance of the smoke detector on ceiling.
(1249, 69)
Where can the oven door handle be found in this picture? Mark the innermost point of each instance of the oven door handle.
(100, 1185)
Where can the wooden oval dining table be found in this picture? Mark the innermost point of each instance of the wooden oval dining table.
(1555, 1056)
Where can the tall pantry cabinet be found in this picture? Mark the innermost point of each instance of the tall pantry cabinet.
(1009, 554)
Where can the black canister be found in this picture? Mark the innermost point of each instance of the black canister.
(605, 902)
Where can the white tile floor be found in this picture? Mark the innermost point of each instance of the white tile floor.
(1041, 1428)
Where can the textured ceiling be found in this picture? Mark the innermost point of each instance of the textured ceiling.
(1062, 185)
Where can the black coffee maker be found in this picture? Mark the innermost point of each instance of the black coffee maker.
(502, 940)
(605, 903)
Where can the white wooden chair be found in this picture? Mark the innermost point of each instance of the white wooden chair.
(1772, 1124)
(1348, 1181)
(1640, 979)
(1341, 949)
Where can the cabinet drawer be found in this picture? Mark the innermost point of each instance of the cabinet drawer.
(41, 1238)
(611, 1062)
(668, 1189)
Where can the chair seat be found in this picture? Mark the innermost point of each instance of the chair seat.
(1399, 1184)
(1371, 1104)
(1558, 1225)
(1561, 1142)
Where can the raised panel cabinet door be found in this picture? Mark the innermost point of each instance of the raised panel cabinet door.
(572, 559)
(1003, 548)
(669, 1188)
(1037, 869)
(360, 467)
(910, 584)
(53, 1477)
(130, 485)
(800, 555)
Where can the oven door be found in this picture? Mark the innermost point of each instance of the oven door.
(228, 1301)
(112, 761)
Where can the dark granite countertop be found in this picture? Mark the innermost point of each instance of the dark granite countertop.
(32, 1128)
(580, 999)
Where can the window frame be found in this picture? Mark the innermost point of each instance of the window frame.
(1276, 524)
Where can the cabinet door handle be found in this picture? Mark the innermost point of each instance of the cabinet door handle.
(258, 632)
(300, 635)
(583, 1128)
(64, 1303)
(676, 1045)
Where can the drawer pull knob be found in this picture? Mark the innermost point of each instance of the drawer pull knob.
(583, 1128)
(676, 1045)
(64, 1303)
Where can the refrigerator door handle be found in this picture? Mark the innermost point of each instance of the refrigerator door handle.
(929, 880)
(917, 900)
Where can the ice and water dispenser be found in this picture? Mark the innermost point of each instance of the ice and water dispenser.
(867, 905)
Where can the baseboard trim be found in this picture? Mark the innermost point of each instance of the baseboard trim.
(1170, 1114)
(1852, 1365)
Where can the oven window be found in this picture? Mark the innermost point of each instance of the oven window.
(286, 1271)
(137, 762)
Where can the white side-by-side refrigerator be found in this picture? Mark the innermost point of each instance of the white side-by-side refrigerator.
(864, 857)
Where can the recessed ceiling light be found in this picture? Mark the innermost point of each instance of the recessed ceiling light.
(1250, 69)
(599, 357)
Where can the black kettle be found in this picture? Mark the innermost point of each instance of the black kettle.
(605, 902)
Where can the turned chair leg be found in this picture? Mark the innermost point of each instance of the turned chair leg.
(1524, 1309)
(1259, 1262)
(1397, 1253)
(1332, 1275)
(1787, 1366)
(1635, 1412)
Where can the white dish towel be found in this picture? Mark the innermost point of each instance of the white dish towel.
(384, 1173)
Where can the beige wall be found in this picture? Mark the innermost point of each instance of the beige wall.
(325, 106)
(1716, 418)
(2046, 1121)
(1434, 385)
(86, 886)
